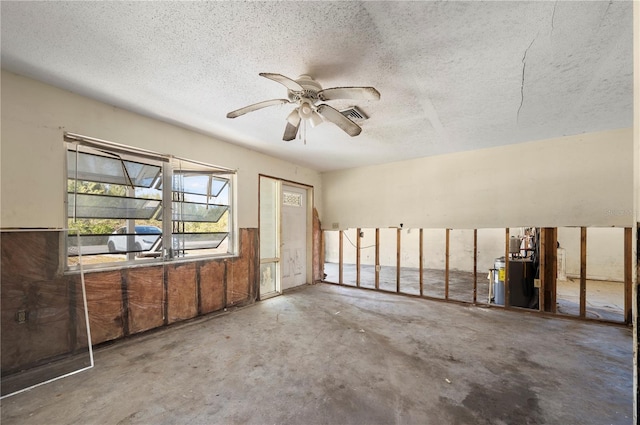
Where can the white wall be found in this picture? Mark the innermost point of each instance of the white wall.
(605, 252)
(584, 180)
(35, 116)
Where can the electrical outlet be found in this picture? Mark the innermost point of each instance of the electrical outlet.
(21, 316)
(335, 226)
(536, 283)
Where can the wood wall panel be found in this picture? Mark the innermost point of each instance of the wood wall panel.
(44, 333)
(212, 291)
(104, 302)
(182, 292)
(241, 271)
(120, 302)
(145, 296)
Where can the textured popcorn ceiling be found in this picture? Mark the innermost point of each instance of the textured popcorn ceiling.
(453, 76)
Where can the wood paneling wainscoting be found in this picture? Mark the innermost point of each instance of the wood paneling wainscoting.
(42, 308)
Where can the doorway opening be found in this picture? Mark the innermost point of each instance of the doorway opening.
(285, 235)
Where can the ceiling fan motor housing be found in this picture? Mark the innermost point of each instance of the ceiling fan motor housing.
(311, 88)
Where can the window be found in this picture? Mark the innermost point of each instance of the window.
(129, 205)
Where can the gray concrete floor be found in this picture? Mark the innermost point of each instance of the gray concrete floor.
(605, 300)
(326, 354)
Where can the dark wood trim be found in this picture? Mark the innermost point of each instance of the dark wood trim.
(542, 299)
(421, 261)
(549, 267)
(358, 244)
(628, 270)
(340, 256)
(475, 266)
(507, 292)
(377, 286)
(446, 265)
(284, 181)
(583, 271)
(398, 257)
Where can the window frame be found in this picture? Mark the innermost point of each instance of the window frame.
(168, 168)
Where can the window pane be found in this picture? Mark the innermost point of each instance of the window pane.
(189, 241)
(104, 169)
(115, 243)
(84, 205)
(191, 211)
(198, 184)
(268, 218)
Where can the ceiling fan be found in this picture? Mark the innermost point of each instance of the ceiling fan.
(306, 93)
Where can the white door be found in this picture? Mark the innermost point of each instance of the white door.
(294, 236)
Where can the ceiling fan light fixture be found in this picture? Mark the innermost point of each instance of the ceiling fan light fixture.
(294, 118)
(305, 110)
(315, 119)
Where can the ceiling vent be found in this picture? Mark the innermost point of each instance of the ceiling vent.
(354, 114)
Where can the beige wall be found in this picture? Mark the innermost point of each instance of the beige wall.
(35, 116)
(584, 180)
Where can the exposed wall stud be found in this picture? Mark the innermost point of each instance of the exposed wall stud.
(475, 266)
(446, 265)
(377, 258)
(628, 270)
(507, 292)
(542, 299)
(549, 267)
(421, 261)
(340, 256)
(358, 244)
(583, 271)
(398, 255)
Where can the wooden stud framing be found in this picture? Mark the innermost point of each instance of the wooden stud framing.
(583, 271)
(446, 265)
(421, 260)
(377, 258)
(475, 265)
(628, 269)
(358, 243)
(548, 268)
(340, 256)
(541, 291)
(398, 255)
(507, 292)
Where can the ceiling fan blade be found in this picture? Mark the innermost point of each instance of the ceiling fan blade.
(290, 132)
(294, 117)
(358, 93)
(333, 115)
(285, 81)
(256, 106)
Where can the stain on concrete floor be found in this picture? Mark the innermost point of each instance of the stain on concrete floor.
(325, 354)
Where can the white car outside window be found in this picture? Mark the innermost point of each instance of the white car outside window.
(145, 237)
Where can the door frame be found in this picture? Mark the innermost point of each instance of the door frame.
(309, 230)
